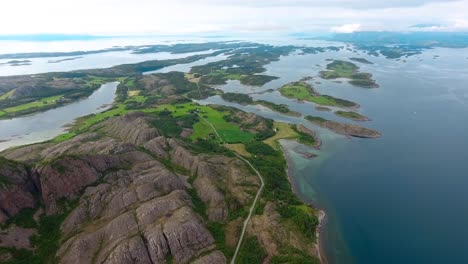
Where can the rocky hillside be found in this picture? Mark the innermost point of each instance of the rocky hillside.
(125, 192)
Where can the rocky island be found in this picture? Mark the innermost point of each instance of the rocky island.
(344, 129)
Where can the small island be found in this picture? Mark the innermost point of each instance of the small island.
(62, 60)
(244, 99)
(344, 69)
(344, 129)
(352, 115)
(303, 91)
(17, 63)
(361, 60)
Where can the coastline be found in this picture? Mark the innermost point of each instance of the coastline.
(322, 216)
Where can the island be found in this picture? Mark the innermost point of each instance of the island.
(17, 63)
(303, 91)
(344, 69)
(344, 129)
(361, 60)
(245, 99)
(352, 115)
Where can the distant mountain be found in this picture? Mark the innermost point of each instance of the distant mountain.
(424, 39)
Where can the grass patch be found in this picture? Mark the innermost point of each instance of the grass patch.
(283, 130)
(133, 93)
(304, 92)
(7, 94)
(229, 132)
(36, 104)
(239, 149)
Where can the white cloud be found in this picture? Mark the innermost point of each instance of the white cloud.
(347, 28)
(133, 17)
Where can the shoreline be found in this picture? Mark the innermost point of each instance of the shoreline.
(322, 216)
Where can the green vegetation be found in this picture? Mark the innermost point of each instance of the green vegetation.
(294, 256)
(35, 104)
(198, 205)
(348, 70)
(281, 108)
(4, 181)
(316, 119)
(305, 138)
(230, 133)
(239, 98)
(7, 95)
(23, 219)
(218, 232)
(251, 251)
(361, 60)
(259, 148)
(351, 115)
(46, 242)
(304, 91)
(272, 166)
(283, 130)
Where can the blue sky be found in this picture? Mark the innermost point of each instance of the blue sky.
(137, 17)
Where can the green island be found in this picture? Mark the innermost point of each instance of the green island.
(220, 77)
(245, 99)
(344, 69)
(159, 145)
(303, 91)
(344, 129)
(352, 115)
(361, 60)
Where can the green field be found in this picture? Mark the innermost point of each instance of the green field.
(339, 69)
(35, 104)
(6, 95)
(230, 133)
(303, 91)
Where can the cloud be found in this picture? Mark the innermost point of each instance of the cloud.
(352, 4)
(347, 28)
(139, 17)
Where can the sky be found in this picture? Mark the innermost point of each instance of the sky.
(140, 17)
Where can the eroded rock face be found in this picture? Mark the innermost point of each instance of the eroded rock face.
(68, 175)
(131, 128)
(141, 215)
(16, 237)
(217, 179)
(131, 208)
(17, 189)
(274, 236)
